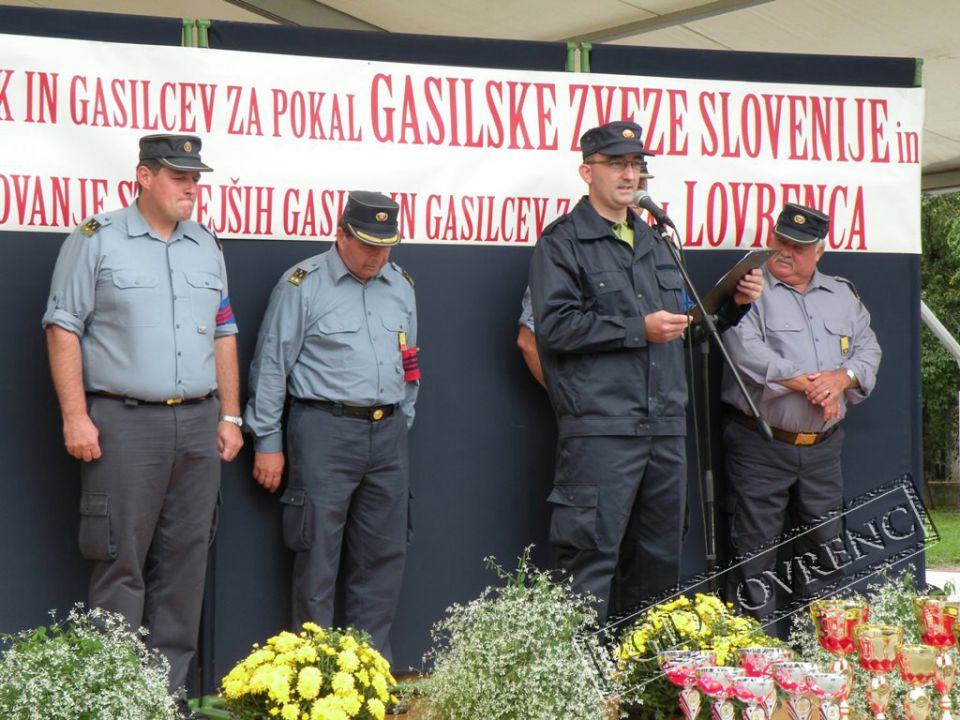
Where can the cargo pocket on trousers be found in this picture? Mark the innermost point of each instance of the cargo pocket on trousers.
(96, 536)
(297, 520)
(573, 522)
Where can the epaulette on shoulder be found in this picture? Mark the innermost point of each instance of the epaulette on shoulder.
(549, 228)
(403, 272)
(93, 224)
(300, 272)
(214, 235)
(849, 284)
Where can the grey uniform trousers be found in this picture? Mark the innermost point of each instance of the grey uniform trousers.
(146, 517)
(617, 510)
(774, 488)
(347, 497)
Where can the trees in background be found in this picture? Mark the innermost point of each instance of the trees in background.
(940, 290)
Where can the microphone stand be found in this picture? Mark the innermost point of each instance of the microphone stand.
(709, 484)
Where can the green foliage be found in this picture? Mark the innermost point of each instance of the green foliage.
(940, 290)
(518, 652)
(88, 667)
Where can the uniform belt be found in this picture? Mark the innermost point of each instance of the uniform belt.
(372, 413)
(137, 401)
(791, 438)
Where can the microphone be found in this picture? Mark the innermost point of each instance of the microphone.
(643, 200)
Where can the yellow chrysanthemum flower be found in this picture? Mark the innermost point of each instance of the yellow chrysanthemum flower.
(309, 682)
(376, 708)
(348, 661)
(342, 683)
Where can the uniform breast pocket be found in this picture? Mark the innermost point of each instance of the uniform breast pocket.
(393, 326)
(671, 288)
(136, 294)
(339, 336)
(839, 339)
(785, 335)
(606, 288)
(206, 290)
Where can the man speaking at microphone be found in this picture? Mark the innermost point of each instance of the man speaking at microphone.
(609, 313)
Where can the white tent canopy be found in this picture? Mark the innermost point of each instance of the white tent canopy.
(925, 29)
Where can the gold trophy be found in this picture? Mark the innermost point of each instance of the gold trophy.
(681, 668)
(938, 617)
(828, 688)
(878, 656)
(757, 660)
(918, 667)
(836, 622)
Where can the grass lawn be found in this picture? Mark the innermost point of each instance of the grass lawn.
(946, 552)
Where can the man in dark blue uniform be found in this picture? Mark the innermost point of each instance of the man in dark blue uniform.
(610, 317)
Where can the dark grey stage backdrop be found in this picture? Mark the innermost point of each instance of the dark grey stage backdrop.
(482, 447)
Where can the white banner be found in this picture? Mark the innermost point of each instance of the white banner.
(473, 156)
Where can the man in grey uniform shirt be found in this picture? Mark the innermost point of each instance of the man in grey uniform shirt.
(339, 336)
(141, 338)
(805, 350)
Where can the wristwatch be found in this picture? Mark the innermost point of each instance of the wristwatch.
(851, 374)
(233, 419)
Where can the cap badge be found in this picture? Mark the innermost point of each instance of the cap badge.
(799, 219)
(628, 133)
(381, 217)
(188, 146)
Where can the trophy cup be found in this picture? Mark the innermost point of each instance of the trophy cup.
(835, 622)
(717, 683)
(791, 677)
(757, 660)
(878, 656)
(918, 667)
(828, 688)
(680, 667)
(937, 617)
(755, 692)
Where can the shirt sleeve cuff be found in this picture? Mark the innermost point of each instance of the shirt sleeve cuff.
(269, 443)
(228, 329)
(59, 316)
(635, 332)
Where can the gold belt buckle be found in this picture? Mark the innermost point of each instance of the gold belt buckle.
(377, 414)
(173, 401)
(806, 439)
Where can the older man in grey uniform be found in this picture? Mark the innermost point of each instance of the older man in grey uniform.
(339, 336)
(805, 350)
(142, 340)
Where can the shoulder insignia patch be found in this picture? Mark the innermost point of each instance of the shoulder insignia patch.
(216, 238)
(90, 227)
(406, 275)
(297, 276)
(849, 284)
